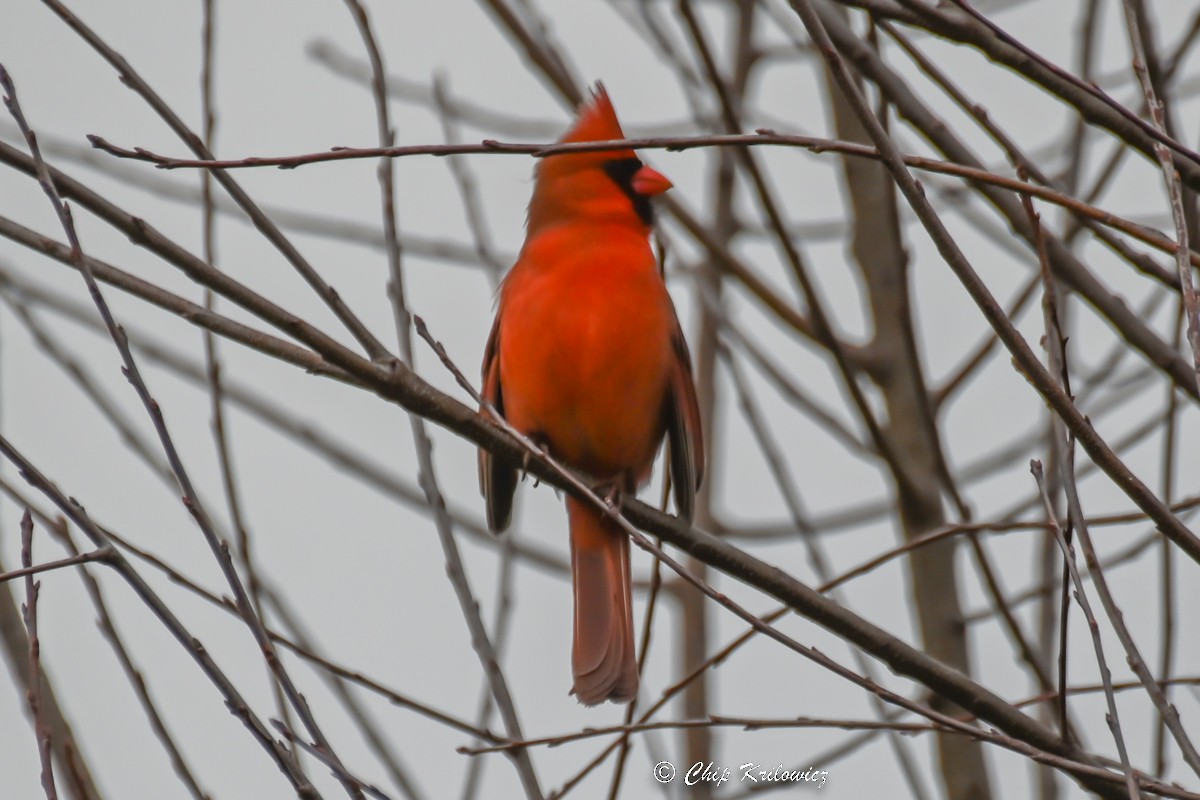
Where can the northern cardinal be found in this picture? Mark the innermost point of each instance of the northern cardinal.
(586, 357)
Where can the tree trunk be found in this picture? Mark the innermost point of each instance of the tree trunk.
(894, 366)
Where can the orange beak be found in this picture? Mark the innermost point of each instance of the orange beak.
(648, 182)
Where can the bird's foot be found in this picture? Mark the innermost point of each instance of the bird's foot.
(543, 447)
(612, 493)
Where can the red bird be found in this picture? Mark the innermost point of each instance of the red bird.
(586, 357)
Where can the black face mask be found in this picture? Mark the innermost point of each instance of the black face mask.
(622, 170)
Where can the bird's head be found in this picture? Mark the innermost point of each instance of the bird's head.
(612, 185)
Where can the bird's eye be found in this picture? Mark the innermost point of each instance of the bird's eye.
(622, 170)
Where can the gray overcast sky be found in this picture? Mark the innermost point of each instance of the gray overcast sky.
(367, 573)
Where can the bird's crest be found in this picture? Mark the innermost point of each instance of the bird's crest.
(597, 120)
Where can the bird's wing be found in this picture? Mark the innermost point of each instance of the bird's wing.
(684, 437)
(497, 481)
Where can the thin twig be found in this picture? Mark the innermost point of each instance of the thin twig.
(714, 721)
(400, 87)
(1060, 445)
(1097, 688)
(1056, 347)
(212, 362)
(1191, 304)
(33, 692)
(1046, 588)
(108, 628)
(656, 585)
(319, 753)
(501, 625)
(1068, 552)
(1167, 561)
(787, 386)
(973, 362)
(74, 770)
(468, 193)
(99, 554)
(762, 138)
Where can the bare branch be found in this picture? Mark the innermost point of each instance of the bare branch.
(33, 693)
(1068, 552)
(1190, 304)
(99, 554)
